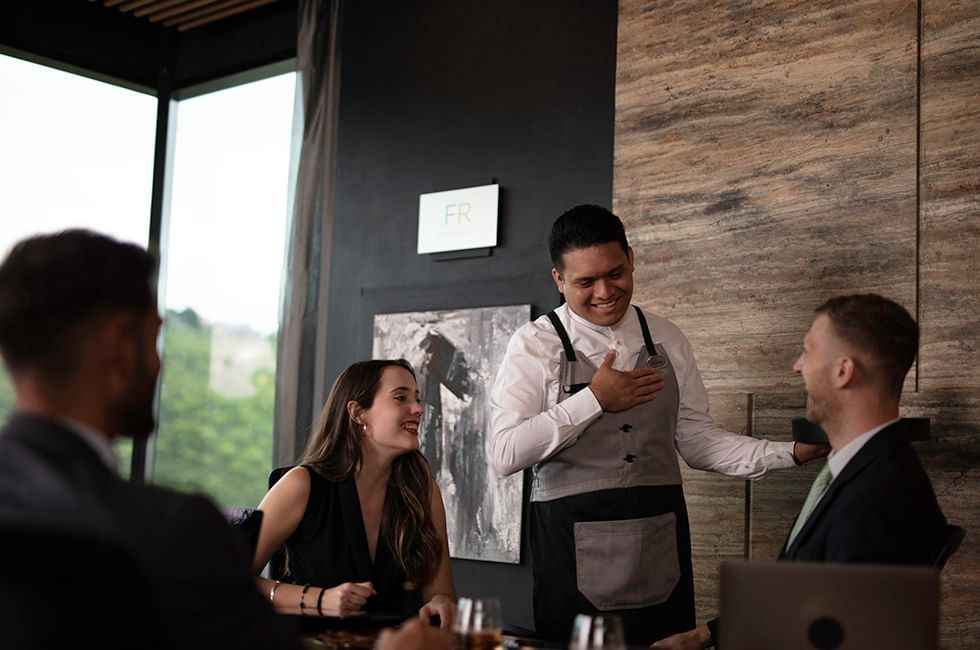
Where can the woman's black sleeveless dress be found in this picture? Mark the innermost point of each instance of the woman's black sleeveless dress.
(329, 547)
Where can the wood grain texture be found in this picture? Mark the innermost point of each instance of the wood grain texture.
(764, 160)
(952, 458)
(775, 500)
(949, 183)
(716, 508)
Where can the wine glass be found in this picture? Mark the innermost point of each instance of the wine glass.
(478, 625)
(603, 631)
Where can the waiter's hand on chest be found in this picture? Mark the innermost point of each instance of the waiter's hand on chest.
(618, 390)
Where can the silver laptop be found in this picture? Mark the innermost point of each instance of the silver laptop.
(805, 605)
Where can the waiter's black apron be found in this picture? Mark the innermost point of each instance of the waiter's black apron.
(609, 527)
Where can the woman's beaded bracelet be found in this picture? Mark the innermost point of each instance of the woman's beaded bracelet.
(302, 605)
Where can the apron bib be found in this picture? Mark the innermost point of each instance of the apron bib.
(609, 529)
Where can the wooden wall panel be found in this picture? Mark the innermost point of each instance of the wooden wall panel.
(765, 160)
(952, 458)
(949, 185)
(775, 500)
(716, 508)
(767, 157)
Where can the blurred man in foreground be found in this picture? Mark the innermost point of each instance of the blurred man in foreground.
(78, 331)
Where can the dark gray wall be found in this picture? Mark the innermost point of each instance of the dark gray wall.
(441, 94)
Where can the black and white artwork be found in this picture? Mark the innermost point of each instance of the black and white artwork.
(456, 354)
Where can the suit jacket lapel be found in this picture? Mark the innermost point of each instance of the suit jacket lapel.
(871, 450)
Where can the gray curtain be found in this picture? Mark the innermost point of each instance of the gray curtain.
(300, 378)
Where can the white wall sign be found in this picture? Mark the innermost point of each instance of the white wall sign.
(458, 219)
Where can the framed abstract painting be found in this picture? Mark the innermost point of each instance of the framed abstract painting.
(456, 353)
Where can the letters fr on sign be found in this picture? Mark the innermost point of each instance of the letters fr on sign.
(457, 220)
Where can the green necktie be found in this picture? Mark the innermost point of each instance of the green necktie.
(816, 491)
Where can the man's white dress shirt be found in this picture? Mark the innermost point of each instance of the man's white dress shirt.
(528, 424)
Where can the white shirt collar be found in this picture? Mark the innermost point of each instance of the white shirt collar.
(98, 442)
(628, 319)
(837, 460)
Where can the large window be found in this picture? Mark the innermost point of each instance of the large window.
(227, 229)
(79, 153)
(74, 153)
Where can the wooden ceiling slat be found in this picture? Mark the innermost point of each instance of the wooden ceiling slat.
(184, 14)
(134, 4)
(222, 14)
(159, 5)
(215, 7)
(187, 5)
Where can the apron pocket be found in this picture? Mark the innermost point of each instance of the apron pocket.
(627, 563)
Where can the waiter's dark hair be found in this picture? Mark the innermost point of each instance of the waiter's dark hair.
(584, 226)
(54, 287)
(880, 328)
(334, 450)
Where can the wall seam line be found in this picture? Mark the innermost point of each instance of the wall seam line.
(918, 186)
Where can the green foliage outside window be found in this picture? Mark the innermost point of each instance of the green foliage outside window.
(210, 442)
(6, 395)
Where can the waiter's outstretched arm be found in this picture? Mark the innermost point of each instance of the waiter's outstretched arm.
(705, 445)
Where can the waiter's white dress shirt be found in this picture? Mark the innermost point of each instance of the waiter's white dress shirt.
(528, 424)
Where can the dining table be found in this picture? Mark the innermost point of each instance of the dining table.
(361, 632)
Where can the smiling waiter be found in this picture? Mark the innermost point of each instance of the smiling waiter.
(594, 396)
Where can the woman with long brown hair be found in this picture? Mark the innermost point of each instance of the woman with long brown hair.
(361, 517)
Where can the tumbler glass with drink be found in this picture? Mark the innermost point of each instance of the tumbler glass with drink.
(478, 625)
(603, 632)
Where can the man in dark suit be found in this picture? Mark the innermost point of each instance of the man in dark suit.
(873, 501)
(78, 332)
